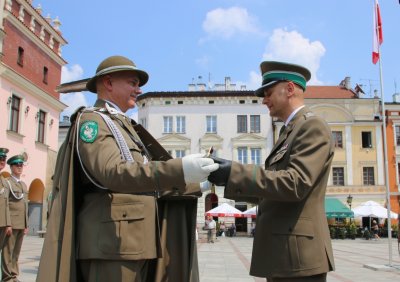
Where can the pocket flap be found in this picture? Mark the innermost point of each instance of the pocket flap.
(303, 227)
(126, 211)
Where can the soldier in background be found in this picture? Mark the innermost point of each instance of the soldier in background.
(5, 221)
(18, 204)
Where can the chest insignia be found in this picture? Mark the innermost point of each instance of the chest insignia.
(88, 131)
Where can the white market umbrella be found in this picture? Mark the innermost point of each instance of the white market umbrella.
(372, 209)
(225, 210)
(252, 212)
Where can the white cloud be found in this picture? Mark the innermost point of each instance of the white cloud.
(226, 23)
(293, 47)
(74, 101)
(72, 73)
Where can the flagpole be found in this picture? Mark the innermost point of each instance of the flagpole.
(389, 222)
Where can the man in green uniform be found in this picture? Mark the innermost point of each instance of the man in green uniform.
(291, 242)
(18, 204)
(5, 221)
(107, 179)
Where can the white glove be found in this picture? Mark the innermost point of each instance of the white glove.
(205, 186)
(196, 168)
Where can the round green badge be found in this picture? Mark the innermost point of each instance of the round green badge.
(89, 130)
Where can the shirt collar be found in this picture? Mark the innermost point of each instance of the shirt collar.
(114, 106)
(293, 114)
(16, 179)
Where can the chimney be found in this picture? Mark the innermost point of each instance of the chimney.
(376, 94)
(65, 118)
(396, 97)
(192, 87)
(347, 82)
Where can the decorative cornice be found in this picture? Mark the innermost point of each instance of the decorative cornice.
(33, 37)
(43, 22)
(31, 88)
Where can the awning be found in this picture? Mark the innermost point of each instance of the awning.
(334, 208)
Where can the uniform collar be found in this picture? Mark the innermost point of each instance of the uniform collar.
(16, 179)
(293, 114)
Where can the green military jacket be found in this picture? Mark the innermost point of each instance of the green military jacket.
(18, 203)
(89, 161)
(4, 203)
(292, 237)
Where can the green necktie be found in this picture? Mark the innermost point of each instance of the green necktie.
(282, 130)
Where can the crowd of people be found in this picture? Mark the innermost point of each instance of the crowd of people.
(13, 215)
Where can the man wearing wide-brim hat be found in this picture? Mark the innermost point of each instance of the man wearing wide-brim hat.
(18, 205)
(5, 221)
(291, 242)
(118, 179)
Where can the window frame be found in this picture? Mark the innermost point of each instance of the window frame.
(338, 138)
(180, 124)
(255, 124)
(211, 124)
(168, 122)
(241, 123)
(41, 126)
(15, 113)
(338, 178)
(368, 175)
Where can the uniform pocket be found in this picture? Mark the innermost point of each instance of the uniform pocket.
(298, 244)
(122, 229)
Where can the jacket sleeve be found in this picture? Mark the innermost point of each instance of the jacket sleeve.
(309, 153)
(102, 161)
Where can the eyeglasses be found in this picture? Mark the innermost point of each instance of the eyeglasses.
(19, 165)
(3, 159)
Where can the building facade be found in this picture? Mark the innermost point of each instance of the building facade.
(30, 70)
(392, 115)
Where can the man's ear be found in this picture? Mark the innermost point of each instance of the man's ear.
(290, 87)
(106, 82)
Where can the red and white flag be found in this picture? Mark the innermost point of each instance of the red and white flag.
(378, 35)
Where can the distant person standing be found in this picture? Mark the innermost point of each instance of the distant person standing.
(375, 229)
(211, 227)
(5, 221)
(18, 204)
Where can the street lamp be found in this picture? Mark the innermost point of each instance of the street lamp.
(349, 201)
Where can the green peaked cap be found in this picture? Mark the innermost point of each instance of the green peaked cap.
(18, 159)
(3, 152)
(274, 72)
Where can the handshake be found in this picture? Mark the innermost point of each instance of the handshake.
(198, 168)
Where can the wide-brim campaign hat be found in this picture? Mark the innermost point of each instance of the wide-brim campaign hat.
(3, 152)
(273, 72)
(17, 159)
(116, 64)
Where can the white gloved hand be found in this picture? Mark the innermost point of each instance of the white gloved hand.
(196, 168)
(205, 186)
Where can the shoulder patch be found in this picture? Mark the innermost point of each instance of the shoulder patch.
(88, 131)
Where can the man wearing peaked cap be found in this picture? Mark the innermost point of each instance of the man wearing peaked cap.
(290, 189)
(5, 221)
(18, 205)
(121, 172)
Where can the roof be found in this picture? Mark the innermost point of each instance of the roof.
(312, 92)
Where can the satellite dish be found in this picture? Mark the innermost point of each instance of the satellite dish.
(25, 156)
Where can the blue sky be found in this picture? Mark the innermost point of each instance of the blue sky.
(178, 41)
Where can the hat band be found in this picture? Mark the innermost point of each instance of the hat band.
(282, 75)
(116, 68)
(16, 162)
